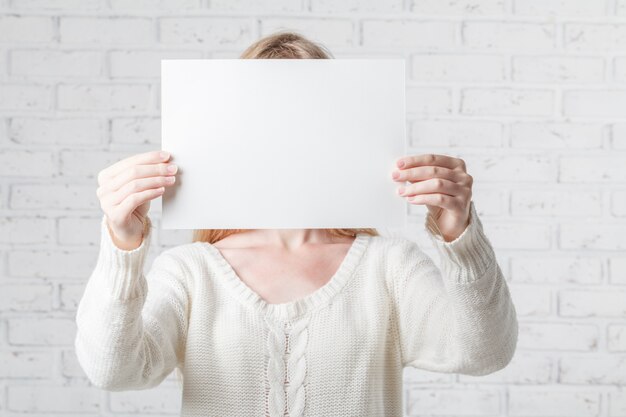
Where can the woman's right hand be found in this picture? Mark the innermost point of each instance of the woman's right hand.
(125, 190)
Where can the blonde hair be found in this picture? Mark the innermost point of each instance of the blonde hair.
(285, 45)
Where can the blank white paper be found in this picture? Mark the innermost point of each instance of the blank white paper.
(283, 143)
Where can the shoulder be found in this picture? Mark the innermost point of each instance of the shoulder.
(397, 258)
(395, 250)
(184, 253)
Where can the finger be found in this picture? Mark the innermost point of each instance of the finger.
(434, 185)
(141, 184)
(431, 159)
(151, 157)
(426, 172)
(439, 200)
(137, 172)
(134, 200)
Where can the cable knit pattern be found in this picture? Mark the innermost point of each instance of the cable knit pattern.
(286, 368)
(338, 351)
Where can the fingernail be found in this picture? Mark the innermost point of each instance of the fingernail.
(164, 154)
(172, 168)
(395, 174)
(400, 190)
(400, 164)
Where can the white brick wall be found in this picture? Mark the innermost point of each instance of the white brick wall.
(530, 93)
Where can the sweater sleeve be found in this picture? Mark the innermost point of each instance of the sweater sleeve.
(459, 318)
(131, 328)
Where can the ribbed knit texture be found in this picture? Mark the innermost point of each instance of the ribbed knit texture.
(338, 351)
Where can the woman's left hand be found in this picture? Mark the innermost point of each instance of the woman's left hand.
(442, 184)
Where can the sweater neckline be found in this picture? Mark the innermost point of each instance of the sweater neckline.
(294, 308)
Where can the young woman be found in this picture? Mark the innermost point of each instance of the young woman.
(308, 322)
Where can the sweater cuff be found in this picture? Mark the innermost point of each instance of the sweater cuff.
(469, 256)
(119, 272)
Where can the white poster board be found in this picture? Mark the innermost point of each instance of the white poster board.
(283, 143)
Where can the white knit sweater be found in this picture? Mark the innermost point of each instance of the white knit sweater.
(337, 352)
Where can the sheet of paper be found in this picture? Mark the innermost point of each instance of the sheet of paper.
(283, 143)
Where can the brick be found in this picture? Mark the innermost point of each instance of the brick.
(329, 32)
(616, 338)
(51, 264)
(142, 64)
(25, 364)
(428, 100)
(489, 201)
(26, 230)
(136, 131)
(146, 401)
(583, 8)
(474, 68)
(419, 376)
(552, 402)
(4, 131)
(617, 270)
(60, 5)
(70, 367)
(16, 28)
(49, 63)
(596, 303)
(211, 32)
(618, 138)
(617, 404)
(504, 101)
(27, 163)
(524, 368)
(619, 66)
(558, 69)
(106, 30)
(594, 37)
(87, 164)
(426, 35)
(56, 131)
(510, 167)
(53, 196)
(556, 202)
(558, 336)
(171, 238)
(518, 36)
(618, 203)
(4, 64)
(604, 236)
(556, 270)
(70, 296)
(25, 297)
(531, 301)
(456, 133)
(326, 6)
(512, 235)
(556, 135)
(41, 331)
(53, 399)
(72, 231)
(593, 370)
(461, 402)
(592, 169)
(25, 97)
(594, 103)
(152, 5)
(96, 97)
(462, 7)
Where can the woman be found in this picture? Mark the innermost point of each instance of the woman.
(307, 322)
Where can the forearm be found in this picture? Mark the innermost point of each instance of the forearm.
(127, 336)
